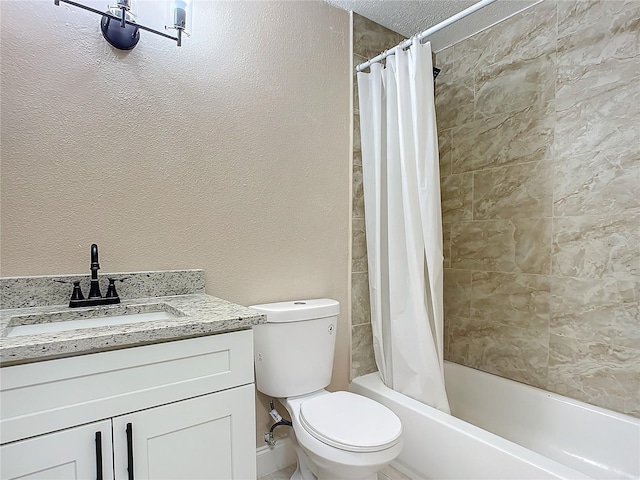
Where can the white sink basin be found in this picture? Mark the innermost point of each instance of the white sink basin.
(91, 322)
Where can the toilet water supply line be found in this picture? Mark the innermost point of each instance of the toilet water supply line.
(268, 436)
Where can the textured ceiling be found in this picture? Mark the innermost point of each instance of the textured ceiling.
(409, 17)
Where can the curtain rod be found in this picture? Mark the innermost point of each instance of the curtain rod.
(407, 43)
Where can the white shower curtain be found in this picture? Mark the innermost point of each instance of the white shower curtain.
(403, 222)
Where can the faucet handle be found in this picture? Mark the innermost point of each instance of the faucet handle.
(111, 289)
(76, 294)
(111, 279)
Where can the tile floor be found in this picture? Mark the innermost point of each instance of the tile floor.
(387, 473)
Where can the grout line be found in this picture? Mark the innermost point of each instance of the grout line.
(498, 167)
(510, 219)
(473, 196)
(546, 275)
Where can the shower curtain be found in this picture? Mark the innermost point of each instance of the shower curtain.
(403, 223)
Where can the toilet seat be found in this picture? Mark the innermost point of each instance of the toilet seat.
(350, 422)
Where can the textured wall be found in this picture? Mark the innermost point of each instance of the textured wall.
(229, 154)
(369, 39)
(539, 124)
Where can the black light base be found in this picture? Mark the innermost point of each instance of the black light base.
(121, 38)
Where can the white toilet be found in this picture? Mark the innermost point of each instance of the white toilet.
(337, 435)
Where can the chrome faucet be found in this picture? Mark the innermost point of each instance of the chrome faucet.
(95, 297)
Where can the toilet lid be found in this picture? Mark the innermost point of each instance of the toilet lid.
(350, 422)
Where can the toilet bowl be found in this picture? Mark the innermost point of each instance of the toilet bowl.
(344, 435)
(336, 435)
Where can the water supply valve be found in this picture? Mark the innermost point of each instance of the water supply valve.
(269, 440)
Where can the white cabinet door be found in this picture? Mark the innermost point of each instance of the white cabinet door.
(65, 455)
(208, 437)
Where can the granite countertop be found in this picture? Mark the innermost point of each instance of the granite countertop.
(195, 315)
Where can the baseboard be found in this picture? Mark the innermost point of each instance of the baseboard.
(272, 459)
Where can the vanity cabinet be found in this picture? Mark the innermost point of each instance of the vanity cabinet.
(178, 410)
(200, 438)
(69, 454)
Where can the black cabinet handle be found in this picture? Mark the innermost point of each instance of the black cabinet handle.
(99, 455)
(130, 450)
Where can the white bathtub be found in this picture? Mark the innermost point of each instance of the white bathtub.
(508, 430)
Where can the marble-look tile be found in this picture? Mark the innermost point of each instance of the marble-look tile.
(532, 238)
(359, 246)
(456, 292)
(445, 337)
(525, 136)
(454, 103)
(466, 56)
(358, 192)
(601, 310)
(577, 82)
(600, 182)
(360, 304)
(444, 61)
(357, 60)
(357, 147)
(446, 244)
(596, 116)
(596, 373)
(525, 36)
(595, 246)
(598, 73)
(357, 158)
(370, 38)
(444, 151)
(516, 353)
(462, 351)
(598, 56)
(593, 32)
(517, 191)
(362, 358)
(456, 192)
(502, 88)
(514, 299)
(579, 156)
(518, 245)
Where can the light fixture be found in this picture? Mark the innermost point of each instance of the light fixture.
(119, 26)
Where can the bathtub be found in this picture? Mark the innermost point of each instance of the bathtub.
(507, 430)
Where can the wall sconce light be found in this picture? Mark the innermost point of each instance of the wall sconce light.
(119, 26)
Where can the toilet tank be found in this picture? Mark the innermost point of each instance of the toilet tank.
(293, 351)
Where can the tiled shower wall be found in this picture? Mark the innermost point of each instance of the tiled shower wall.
(540, 160)
(369, 39)
(539, 132)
